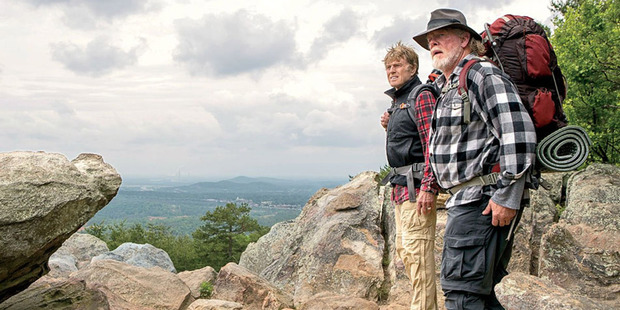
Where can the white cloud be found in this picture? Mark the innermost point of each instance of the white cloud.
(275, 88)
(229, 44)
(337, 31)
(97, 58)
(403, 28)
(107, 9)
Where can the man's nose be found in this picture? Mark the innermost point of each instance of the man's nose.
(431, 42)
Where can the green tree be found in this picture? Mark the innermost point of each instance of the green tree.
(384, 171)
(226, 233)
(587, 43)
(98, 230)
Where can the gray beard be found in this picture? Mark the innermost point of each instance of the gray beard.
(450, 61)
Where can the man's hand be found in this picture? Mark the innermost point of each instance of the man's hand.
(385, 118)
(426, 202)
(501, 215)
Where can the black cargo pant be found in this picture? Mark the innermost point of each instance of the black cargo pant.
(475, 257)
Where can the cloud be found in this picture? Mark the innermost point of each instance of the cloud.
(88, 14)
(403, 28)
(230, 44)
(108, 9)
(98, 58)
(335, 32)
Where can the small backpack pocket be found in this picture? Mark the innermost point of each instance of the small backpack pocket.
(537, 56)
(542, 107)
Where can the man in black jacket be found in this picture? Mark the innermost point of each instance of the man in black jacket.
(407, 123)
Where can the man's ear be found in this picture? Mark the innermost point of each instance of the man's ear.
(465, 39)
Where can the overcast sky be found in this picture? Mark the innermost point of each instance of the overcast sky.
(214, 89)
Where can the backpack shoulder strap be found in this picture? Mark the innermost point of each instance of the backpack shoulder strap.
(462, 90)
(467, 105)
(415, 92)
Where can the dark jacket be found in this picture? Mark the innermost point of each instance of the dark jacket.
(403, 146)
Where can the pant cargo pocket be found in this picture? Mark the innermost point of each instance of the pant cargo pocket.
(463, 258)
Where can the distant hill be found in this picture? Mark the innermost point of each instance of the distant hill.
(181, 206)
(244, 184)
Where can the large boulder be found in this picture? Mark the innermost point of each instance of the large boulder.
(237, 284)
(519, 291)
(130, 287)
(581, 253)
(324, 301)
(52, 293)
(75, 253)
(536, 220)
(44, 199)
(215, 304)
(335, 245)
(194, 279)
(140, 255)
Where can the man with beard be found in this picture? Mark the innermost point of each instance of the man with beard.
(407, 126)
(472, 134)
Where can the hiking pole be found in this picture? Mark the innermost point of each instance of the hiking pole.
(512, 227)
(492, 44)
(514, 223)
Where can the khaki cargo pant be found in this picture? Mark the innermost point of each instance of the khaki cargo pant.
(415, 244)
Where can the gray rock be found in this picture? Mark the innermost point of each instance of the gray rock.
(75, 253)
(537, 218)
(140, 255)
(50, 293)
(335, 245)
(581, 253)
(324, 301)
(214, 304)
(61, 265)
(44, 199)
(194, 279)
(594, 197)
(129, 287)
(519, 291)
(237, 284)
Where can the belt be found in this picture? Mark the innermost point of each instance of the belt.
(488, 179)
(414, 171)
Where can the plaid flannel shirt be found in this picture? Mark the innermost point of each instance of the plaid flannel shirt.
(460, 152)
(423, 112)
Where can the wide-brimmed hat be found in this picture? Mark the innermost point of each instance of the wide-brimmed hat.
(441, 18)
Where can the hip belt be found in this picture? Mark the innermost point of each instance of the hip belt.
(414, 171)
(488, 179)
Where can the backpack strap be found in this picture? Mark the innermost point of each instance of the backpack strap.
(462, 89)
(415, 92)
(467, 105)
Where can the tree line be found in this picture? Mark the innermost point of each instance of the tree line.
(222, 238)
(587, 44)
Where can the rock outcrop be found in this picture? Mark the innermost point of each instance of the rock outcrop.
(194, 279)
(74, 254)
(44, 199)
(519, 291)
(335, 245)
(237, 284)
(339, 254)
(130, 287)
(581, 252)
(140, 255)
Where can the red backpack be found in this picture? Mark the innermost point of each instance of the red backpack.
(519, 46)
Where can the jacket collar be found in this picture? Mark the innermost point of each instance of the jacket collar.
(406, 89)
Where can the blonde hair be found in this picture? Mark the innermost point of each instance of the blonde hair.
(400, 50)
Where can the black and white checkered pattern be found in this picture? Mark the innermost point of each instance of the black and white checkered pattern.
(500, 130)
